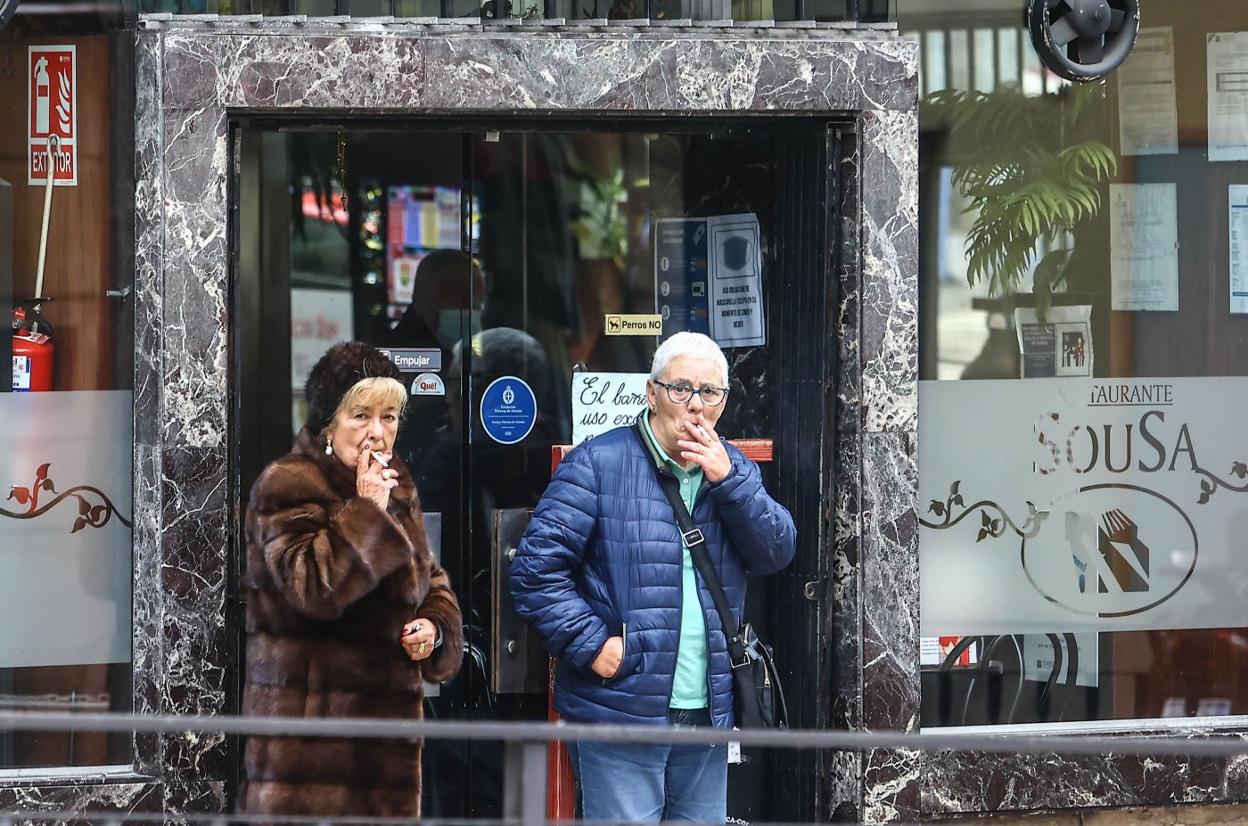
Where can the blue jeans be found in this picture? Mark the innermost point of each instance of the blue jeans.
(648, 783)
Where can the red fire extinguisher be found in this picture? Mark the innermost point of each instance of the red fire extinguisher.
(32, 347)
(32, 334)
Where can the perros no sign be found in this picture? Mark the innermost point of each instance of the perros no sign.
(634, 325)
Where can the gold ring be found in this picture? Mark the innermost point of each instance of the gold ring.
(420, 649)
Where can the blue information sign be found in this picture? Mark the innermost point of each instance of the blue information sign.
(680, 275)
(508, 410)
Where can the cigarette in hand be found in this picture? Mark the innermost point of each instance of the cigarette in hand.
(381, 459)
(702, 430)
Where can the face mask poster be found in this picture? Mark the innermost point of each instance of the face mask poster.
(1077, 505)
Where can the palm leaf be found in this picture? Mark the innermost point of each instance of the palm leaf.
(1026, 183)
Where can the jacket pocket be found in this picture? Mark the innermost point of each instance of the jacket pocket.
(630, 663)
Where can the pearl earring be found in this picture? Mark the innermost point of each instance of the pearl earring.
(329, 446)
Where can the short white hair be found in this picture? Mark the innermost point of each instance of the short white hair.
(692, 345)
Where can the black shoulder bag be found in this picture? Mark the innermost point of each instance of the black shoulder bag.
(758, 698)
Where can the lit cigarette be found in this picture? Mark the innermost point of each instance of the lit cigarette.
(702, 430)
(381, 459)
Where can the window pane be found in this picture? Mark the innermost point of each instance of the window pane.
(1007, 54)
(66, 467)
(313, 8)
(933, 62)
(1082, 463)
(985, 56)
(825, 11)
(959, 59)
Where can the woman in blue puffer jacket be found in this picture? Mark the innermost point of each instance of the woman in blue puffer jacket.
(604, 577)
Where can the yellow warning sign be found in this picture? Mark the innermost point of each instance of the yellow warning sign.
(634, 325)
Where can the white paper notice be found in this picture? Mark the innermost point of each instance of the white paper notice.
(319, 319)
(1148, 123)
(605, 401)
(736, 270)
(1062, 346)
(1038, 658)
(934, 650)
(1228, 96)
(1239, 248)
(1144, 253)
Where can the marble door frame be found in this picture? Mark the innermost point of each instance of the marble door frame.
(195, 74)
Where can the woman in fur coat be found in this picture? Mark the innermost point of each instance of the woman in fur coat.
(347, 611)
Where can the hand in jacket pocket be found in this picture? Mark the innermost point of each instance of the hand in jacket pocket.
(608, 661)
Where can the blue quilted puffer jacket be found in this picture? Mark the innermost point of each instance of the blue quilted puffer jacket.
(602, 557)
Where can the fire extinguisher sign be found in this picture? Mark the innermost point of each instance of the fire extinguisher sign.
(53, 111)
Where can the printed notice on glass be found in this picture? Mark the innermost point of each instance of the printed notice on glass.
(1144, 246)
(1148, 122)
(935, 650)
(1061, 346)
(1239, 248)
(605, 401)
(1227, 54)
(736, 268)
(1039, 659)
(680, 275)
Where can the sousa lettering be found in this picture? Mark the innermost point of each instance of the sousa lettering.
(1147, 446)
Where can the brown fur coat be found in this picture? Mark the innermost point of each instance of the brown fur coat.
(330, 582)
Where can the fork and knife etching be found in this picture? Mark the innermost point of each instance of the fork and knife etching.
(1125, 556)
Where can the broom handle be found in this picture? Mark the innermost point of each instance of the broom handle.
(54, 143)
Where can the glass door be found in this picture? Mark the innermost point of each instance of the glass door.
(583, 238)
(521, 278)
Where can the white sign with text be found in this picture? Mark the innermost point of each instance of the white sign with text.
(52, 114)
(1074, 504)
(605, 401)
(736, 271)
(319, 319)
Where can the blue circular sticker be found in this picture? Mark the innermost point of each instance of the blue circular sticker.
(508, 410)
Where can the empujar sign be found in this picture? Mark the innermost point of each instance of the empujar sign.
(1082, 504)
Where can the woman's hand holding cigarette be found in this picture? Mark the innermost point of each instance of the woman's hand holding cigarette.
(703, 448)
(373, 479)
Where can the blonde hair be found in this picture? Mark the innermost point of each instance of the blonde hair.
(380, 391)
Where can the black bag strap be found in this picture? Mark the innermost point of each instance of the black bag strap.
(693, 537)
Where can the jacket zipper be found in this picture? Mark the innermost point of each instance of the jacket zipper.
(710, 689)
(706, 628)
(671, 687)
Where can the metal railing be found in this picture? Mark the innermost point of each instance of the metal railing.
(533, 739)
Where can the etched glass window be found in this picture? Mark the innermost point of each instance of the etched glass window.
(1084, 290)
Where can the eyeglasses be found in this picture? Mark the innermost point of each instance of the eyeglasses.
(681, 393)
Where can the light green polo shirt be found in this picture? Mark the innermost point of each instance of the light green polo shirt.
(689, 686)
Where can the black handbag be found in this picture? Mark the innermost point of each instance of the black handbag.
(758, 697)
